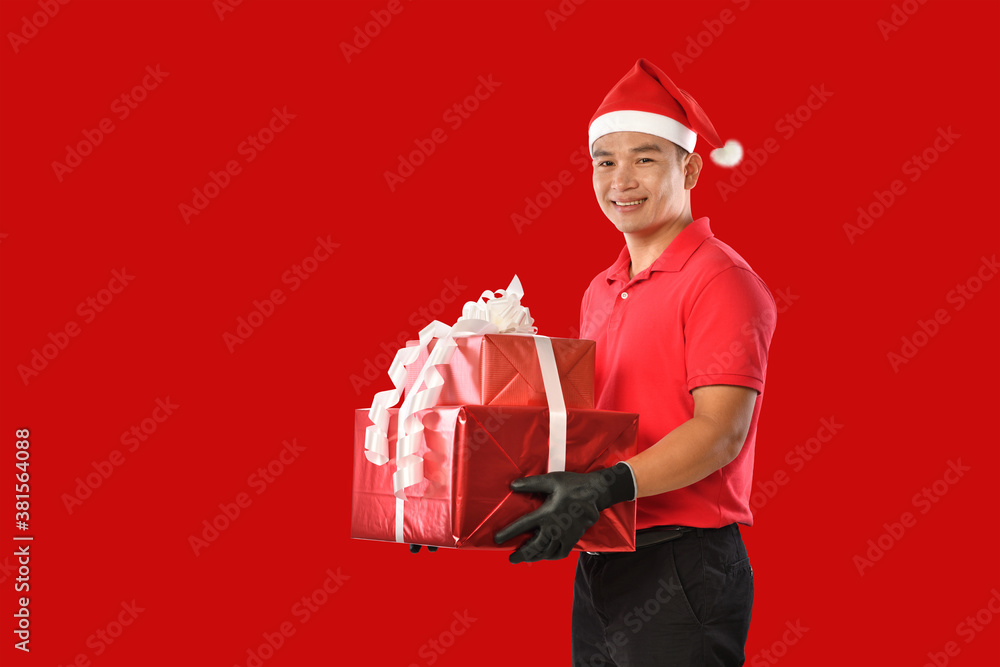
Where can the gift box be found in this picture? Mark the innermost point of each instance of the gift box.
(503, 369)
(471, 453)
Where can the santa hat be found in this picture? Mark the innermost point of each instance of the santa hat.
(646, 100)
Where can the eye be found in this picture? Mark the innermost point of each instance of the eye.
(604, 163)
(643, 160)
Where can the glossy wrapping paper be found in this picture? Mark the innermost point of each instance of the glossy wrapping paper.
(503, 369)
(471, 454)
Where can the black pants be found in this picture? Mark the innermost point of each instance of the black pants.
(683, 602)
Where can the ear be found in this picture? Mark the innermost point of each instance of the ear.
(692, 169)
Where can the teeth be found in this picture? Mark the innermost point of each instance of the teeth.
(629, 203)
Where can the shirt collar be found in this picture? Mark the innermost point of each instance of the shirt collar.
(672, 258)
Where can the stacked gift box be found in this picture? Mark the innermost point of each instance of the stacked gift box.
(490, 423)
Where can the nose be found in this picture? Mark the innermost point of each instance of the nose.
(624, 178)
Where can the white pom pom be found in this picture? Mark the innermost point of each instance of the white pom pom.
(729, 155)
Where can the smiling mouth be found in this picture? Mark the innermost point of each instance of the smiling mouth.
(634, 202)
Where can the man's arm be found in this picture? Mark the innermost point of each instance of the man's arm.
(709, 440)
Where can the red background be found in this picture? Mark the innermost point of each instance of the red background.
(847, 306)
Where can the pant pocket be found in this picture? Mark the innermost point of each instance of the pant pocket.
(687, 565)
(738, 567)
(736, 605)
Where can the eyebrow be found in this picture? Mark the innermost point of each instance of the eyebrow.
(643, 148)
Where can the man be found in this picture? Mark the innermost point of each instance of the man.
(683, 326)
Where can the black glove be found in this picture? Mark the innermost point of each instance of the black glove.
(575, 502)
(414, 548)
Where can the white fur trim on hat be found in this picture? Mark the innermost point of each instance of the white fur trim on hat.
(642, 121)
(729, 155)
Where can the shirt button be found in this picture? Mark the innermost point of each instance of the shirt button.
(624, 295)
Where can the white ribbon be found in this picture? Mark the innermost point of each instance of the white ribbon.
(557, 404)
(376, 437)
(499, 312)
(409, 426)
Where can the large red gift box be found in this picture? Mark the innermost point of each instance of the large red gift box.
(503, 369)
(471, 453)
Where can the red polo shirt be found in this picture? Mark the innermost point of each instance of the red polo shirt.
(697, 316)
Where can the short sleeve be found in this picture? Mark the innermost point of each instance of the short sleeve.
(728, 331)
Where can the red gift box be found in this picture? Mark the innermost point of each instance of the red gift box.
(471, 453)
(503, 369)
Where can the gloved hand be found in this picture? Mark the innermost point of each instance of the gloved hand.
(414, 548)
(575, 502)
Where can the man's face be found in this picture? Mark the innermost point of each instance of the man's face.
(640, 183)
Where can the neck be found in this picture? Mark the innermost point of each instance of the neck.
(643, 249)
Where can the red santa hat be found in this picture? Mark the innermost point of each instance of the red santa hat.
(646, 100)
